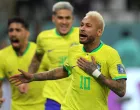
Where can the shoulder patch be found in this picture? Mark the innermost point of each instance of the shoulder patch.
(121, 69)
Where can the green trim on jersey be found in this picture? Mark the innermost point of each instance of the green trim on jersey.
(27, 48)
(68, 71)
(1, 79)
(96, 49)
(120, 77)
(71, 30)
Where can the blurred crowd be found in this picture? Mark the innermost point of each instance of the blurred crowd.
(38, 12)
(122, 19)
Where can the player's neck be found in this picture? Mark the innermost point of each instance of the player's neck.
(22, 50)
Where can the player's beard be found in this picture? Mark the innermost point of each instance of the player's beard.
(17, 49)
(90, 40)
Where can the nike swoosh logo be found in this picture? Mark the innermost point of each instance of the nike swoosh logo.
(74, 43)
(9, 72)
(50, 50)
(74, 66)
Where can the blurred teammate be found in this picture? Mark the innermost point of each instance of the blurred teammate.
(19, 55)
(55, 43)
(95, 68)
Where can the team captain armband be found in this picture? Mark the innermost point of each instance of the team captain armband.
(96, 73)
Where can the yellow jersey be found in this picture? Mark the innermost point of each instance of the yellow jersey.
(85, 92)
(9, 65)
(56, 47)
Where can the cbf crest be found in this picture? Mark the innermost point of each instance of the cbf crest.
(99, 66)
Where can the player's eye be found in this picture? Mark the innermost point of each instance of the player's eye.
(10, 30)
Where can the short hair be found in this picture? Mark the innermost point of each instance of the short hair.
(62, 5)
(18, 20)
(98, 15)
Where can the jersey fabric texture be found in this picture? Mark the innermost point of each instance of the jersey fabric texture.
(56, 51)
(85, 92)
(9, 65)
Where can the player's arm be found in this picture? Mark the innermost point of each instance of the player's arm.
(118, 86)
(36, 60)
(1, 98)
(26, 77)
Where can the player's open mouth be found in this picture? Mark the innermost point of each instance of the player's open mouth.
(83, 35)
(64, 28)
(14, 42)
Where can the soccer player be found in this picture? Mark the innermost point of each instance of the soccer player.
(55, 44)
(19, 55)
(95, 68)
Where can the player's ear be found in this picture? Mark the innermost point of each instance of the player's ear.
(27, 34)
(99, 32)
(53, 18)
(73, 18)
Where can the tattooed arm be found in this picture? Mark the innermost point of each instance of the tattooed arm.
(54, 74)
(118, 86)
(35, 63)
(26, 77)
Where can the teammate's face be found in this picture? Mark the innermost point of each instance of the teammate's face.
(89, 30)
(18, 35)
(63, 20)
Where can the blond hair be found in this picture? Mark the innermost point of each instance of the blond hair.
(98, 15)
(62, 5)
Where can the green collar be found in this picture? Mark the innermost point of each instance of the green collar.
(96, 49)
(71, 30)
(27, 48)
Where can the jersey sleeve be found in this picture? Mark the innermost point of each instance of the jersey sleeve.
(116, 68)
(67, 67)
(40, 45)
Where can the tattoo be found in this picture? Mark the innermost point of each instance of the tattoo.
(54, 74)
(117, 86)
(34, 66)
(87, 66)
(91, 67)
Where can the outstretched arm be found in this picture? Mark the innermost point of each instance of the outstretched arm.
(35, 63)
(118, 86)
(26, 77)
(1, 99)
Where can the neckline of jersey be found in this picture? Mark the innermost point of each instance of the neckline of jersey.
(27, 48)
(57, 33)
(96, 49)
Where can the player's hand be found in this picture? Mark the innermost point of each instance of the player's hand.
(23, 88)
(1, 101)
(87, 66)
(24, 77)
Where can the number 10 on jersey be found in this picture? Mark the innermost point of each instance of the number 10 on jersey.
(84, 83)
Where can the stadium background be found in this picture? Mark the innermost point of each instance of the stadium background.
(118, 14)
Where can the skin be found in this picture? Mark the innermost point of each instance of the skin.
(63, 20)
(18, 36)
(1, 99)
(90, 32)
